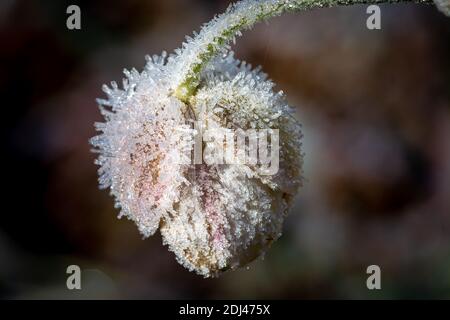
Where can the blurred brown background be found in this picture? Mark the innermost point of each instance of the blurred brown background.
(375, 108)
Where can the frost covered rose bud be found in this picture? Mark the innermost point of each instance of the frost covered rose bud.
(213, 215)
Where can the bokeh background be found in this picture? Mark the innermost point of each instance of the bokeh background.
(375, 108)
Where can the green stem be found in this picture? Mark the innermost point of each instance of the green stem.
(240, 16)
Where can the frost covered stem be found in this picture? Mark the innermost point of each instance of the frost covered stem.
(216, 35)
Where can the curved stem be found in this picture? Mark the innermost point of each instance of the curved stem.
(216, 35)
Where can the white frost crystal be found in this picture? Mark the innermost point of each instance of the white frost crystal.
(214, 217)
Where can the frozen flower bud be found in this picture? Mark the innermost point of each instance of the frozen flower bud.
(214, 214)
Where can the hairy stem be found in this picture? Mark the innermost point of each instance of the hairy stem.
(217, 34)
